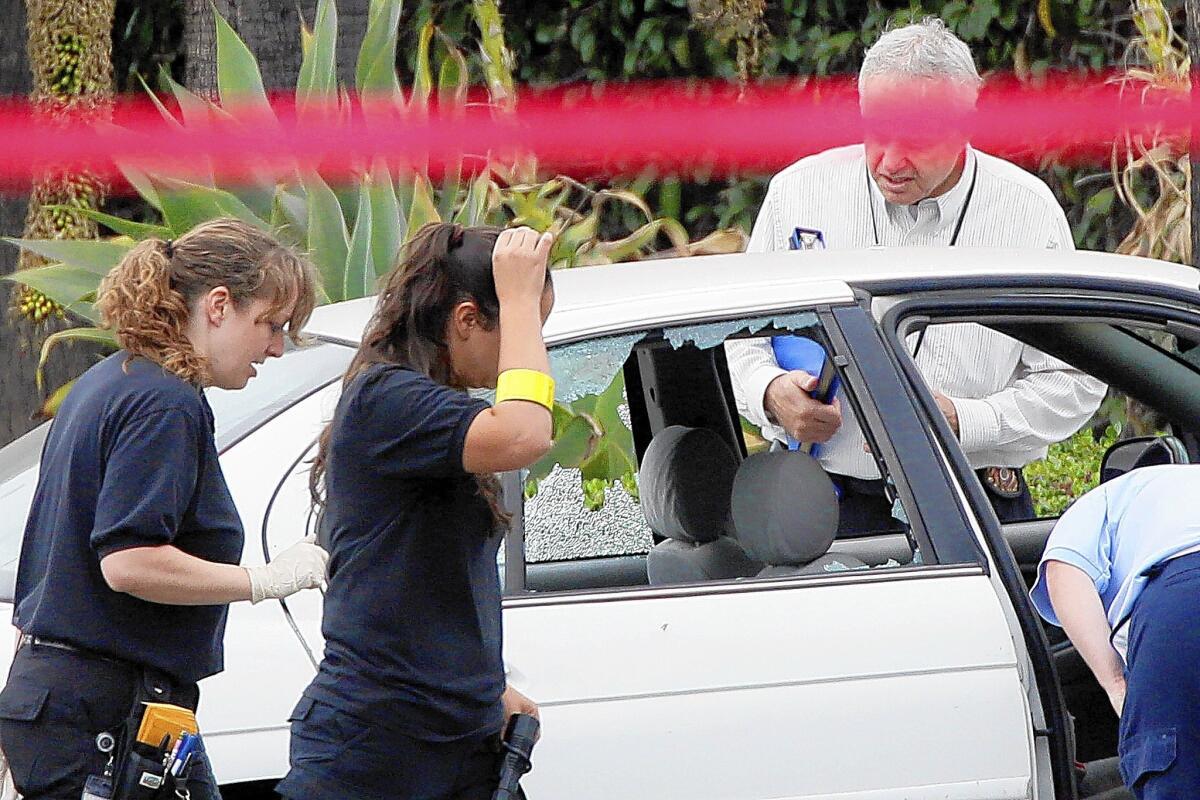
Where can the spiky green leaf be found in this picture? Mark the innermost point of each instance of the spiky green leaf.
(119, 225)
(92, 256)
(316, 89)
(359, 277)
(386, 221)
(105, 338)
(328, 241)
(375, 71)
(239, 81)
(423, 209)
(186, 205)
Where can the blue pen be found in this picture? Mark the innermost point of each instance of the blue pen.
(175, 751)
(185, 753)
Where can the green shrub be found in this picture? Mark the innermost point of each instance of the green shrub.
(1071, 468)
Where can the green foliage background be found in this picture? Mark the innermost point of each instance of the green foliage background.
(620, 40)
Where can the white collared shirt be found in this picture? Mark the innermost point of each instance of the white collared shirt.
(1012, 400)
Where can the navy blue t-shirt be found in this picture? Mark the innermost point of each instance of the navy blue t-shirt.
(130, 461)
(412, 613)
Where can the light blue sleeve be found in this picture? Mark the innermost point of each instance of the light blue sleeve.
(1081, 538)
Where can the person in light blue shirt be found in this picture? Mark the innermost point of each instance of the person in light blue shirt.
(1121, 575)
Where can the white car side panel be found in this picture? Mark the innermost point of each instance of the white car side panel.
(244, 710)
(904, 687)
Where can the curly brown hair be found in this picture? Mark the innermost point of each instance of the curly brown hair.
(147, 298)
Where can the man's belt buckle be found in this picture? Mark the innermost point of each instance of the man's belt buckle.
(1003, 481)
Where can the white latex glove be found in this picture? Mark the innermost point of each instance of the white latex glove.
(301, 566)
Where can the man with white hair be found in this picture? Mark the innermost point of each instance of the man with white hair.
(915, 181)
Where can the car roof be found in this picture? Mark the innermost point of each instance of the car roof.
(616, 297)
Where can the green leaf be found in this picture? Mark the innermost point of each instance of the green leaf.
(474, 207)
(195, 110)
(239, 82)
(423, 69)
(453, 78)
(328, 242)
(55, 400)
(359, 278)
(71, 286)
(186, 205)
(386, 224)
(142, 183)
(423, 210)
(94, 335)
(96, 257)
(316, 89)
(375, 72)
(119, 225)
(572, 445)
(292, 211)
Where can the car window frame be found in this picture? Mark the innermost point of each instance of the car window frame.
(854, 339)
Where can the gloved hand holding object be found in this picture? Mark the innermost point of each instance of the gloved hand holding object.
(301, 566)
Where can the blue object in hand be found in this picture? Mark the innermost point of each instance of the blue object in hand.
(799, 352)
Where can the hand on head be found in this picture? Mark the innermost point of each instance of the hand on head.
(519, 263)
(805, 419)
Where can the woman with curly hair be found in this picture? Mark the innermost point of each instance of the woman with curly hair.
(131, 549)
(411, 693)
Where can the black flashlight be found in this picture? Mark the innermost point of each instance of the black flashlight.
(518, 747)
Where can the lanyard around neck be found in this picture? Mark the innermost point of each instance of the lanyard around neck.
(961, 214)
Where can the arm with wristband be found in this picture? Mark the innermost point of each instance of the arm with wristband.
(517, 430)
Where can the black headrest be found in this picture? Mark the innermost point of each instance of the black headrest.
(685, 482)
(785, 510)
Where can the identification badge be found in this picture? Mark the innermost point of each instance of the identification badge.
(806, 239)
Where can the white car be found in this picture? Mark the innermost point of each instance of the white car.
(907, 664)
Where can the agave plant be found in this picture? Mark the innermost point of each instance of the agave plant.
(352, 230)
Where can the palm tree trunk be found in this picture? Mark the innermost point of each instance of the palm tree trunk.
(59, 52)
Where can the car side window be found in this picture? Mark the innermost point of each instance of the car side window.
(659, 477)
(1035, 427)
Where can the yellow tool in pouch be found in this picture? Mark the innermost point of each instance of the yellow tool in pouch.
(164, 719)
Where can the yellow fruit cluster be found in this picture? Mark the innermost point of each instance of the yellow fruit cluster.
(37, 307)
(67, 79)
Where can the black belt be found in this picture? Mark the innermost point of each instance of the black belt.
(40, 641)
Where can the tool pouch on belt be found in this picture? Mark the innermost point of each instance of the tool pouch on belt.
(143, 770)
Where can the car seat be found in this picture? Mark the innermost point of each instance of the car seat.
(684, 484)
(785, 513)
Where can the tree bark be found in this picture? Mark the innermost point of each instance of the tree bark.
(1192, 8)
(271, 29)
(16, 379)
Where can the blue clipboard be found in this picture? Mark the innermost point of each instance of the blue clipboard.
(799, 352)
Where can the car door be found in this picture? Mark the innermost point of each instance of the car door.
(899, 681)
(1140, 339)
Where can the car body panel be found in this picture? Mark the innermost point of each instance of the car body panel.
(898, 684)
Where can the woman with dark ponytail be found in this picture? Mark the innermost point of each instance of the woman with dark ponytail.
(411, 693)
(131, 549)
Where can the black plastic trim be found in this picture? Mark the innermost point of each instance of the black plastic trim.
(934, 510)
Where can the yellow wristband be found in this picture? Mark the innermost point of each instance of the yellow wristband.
(526, 384)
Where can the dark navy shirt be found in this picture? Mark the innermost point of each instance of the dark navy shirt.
(412, 613)
(130, 461)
